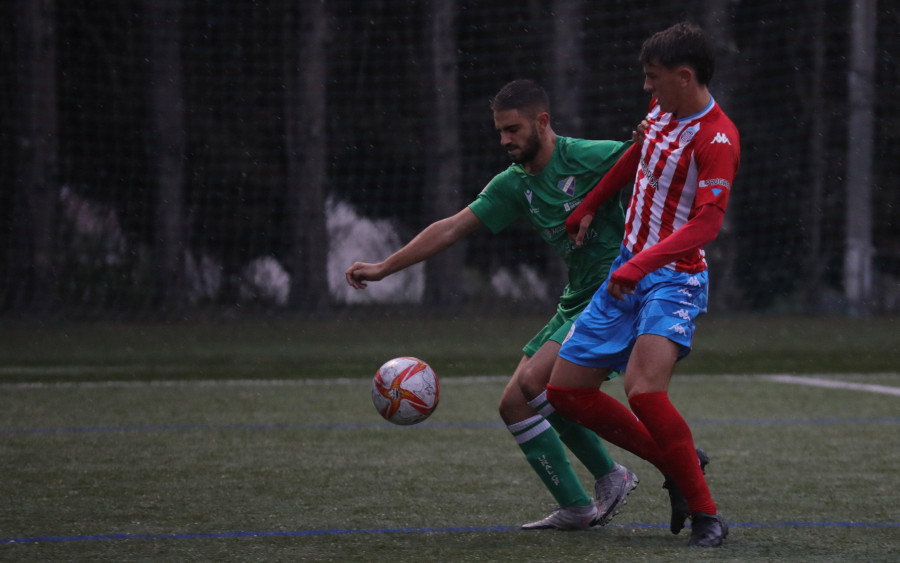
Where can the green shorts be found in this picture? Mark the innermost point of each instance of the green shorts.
(556, 330)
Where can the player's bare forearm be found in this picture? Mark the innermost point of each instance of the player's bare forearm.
(433, 240)
(418, 249)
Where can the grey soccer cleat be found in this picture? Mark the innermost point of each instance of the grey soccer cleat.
(567, 518)
(612, 490)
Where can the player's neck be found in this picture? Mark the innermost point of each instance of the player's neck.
(542, 159)
(695, 103)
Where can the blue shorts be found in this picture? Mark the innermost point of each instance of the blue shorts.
(665, 303)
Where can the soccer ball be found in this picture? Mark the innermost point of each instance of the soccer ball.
(405, 391)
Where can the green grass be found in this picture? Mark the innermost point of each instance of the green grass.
(309, 457)
(187, 469)
(356, 343)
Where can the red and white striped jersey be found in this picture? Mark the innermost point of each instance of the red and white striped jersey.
(684, 164)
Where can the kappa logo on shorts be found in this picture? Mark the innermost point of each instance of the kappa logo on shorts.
(682, 314)
(693, 282)
(679, 329)
(686, 291)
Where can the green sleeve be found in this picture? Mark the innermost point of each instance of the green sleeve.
(499, 205)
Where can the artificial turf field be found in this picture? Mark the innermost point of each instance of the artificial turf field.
(249, 442)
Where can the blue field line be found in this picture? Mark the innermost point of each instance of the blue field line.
(406, 530)
(382, 425)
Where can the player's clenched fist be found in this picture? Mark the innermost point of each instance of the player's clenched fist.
(361, 272)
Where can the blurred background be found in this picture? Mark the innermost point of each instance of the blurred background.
(163, 158)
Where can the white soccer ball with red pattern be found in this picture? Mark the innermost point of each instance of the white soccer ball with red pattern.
(405, 391)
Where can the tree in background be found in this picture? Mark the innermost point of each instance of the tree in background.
(31, 251)
(167, 143)
(305, 111)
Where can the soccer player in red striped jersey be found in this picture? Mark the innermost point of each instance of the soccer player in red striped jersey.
(641, 321)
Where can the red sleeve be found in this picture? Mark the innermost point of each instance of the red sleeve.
(621, 174)
(699, 230)
(718, 158)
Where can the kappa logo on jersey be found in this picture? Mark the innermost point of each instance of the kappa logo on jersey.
(567, 185)
(720, 138)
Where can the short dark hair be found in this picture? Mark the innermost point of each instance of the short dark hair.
(682, 44)
(524, 95)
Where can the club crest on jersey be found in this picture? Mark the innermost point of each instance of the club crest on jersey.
(687, 135)
(567, 185)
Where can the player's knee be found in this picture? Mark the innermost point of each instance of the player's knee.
(509, 400)
(532, 382)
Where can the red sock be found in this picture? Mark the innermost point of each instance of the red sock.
(673, 435)
(609, 418)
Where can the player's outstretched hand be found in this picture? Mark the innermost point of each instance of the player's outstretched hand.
(360, 272)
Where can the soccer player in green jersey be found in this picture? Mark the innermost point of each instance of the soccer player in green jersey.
(549, 176)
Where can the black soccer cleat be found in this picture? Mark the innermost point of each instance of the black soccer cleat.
(707, 530)
(680, 510)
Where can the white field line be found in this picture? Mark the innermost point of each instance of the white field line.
(833, 384)
(226, 382)
(827, 381)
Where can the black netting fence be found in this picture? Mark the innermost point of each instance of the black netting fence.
(168, 155)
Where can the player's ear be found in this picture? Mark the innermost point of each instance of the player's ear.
(543, 119)
(685, 75)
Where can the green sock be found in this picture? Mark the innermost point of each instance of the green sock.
(547, 456)
(584, 443)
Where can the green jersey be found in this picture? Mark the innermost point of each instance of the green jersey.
(547, 198)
